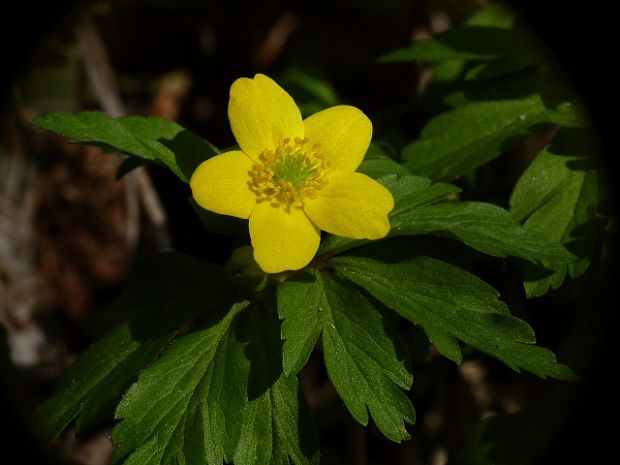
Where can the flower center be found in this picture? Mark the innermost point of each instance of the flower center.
(291, 173)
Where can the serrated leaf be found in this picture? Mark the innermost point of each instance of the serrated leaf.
(187, 407)
(458, 141)
(360, 355)
(276, 427)
(409, 192)
(299, 300)
(162, 292)
(557, 197)
(218, 394)
(479, 43)
(447, 301)
(154, 139)
(362, 361)
(483, 226)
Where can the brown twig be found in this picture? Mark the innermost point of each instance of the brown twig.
(18, 280)
(98, 67)
(276, 39)
(105, 86)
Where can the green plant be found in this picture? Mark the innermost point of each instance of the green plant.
(227, 390)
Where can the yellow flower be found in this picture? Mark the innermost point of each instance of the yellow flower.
(293, 178)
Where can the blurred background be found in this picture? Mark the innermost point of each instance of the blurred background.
(69, 230)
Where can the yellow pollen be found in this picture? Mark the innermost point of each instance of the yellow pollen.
(294, 171)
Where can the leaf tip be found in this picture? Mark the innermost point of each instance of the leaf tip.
(39, 121)
(565, 373)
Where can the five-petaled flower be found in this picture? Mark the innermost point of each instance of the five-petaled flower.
(293, 178)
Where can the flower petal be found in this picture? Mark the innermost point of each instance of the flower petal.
(282, 240)
(261, 114)
(344, 134)
(220, 184)
(352, 205)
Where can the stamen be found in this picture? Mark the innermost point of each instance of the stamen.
(294, 171)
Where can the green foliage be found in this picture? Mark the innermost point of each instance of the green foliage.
(276, 425)
(245, 272)
(377, 163)
(482, 226)
(409, 192)
(458, 141)
(479, 43)
(161, 294)
(494, 15)
(299, 301)
(362, 360)
(217, 394)
(485, 227)
(185, 407)
(450, 304)
(557, 197)
(208, 358)
(361, 357)
(152, 139)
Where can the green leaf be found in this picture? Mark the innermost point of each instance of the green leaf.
(218, 394)
(360, 351)
(557, 197)
(187, 406)
(299, 300)
(495, 68)
(498, 15)
(483, 226)
(276, 428)
(161, 293)
(362, 360)
(494, 15)
(409, 192)
(447, 73)
(245, 273)
(458, 141)
(451, 304)
(377, 163)
(479, 43)
(154, 139)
